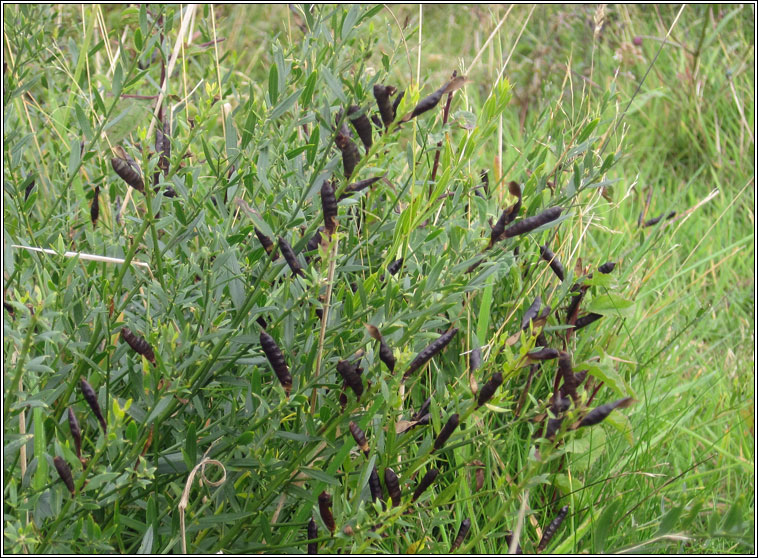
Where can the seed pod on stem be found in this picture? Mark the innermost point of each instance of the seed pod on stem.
(91, 399)
(531, 312)
(393, 486)
(138, 344)
(360, 437)
(530, 223)
(446, 432)
(599, 414)
(94, 208)
(313, 243)
(350, 153)
(546, 353)
(290, 257)
(267, 243)
(551, 529)
(507, 216)
(375, 486)
(64, 471)
(329, 207)
(429, 102)
(385, 353)
(76, 432)
(428, 353)
(382, 94)
(361, 124)
(607, 267)
(586, 320)
(358, 186)
(462, 532)
(425, 483)
(276, 359)
(488, 389)
(128, 173)
(548, 255)
(349, 373)
(325, 509)
(312, 534)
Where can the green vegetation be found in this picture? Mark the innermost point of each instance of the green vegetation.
(614, 114)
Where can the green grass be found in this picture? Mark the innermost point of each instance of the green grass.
(672, 473)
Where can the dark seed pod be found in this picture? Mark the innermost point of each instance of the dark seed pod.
(359, 436)
(488, 389)
(656, 220)
(508, 536)
(138, 344)
(351, 376)
(276, 359)
(395, 266)
(530, 223)
(576, 300)
(544, 354)
(313, 242)
(507, 216)
(362, 126)
(478, 474)
(376, 120)
(28, 190)
(386, 356)
(290, 257)
(565, 369)
(425, 483)
(325, 509)
(64, 471)
(561, 404)
(428, 103)
(163, 147)
(432, 349)
(462, 532)
(576, 381)
(423, 410)
(76, 432)
(312, 534)
(375, 486)
(607, 267)
(446, 432)
(551, 529)
(94, 208)
(358, 186)
(548, 255)
(128, 173)
(267, 243)
(598, 414)
(475, 358)
(91, 399)
(531, 312)
(396, 103)
(382, 94)
(393, 486)
(586, 320)
(553, 426)
(423, 421)
(350, 153)
(329, 206)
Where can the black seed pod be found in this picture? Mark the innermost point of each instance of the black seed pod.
(423, 410)
(64, 471)
(290, 257)
(575, 382)
(544, 354)
(76, 432)
(312, 534)
(428, 103)
(531, 312)
(423, 421)
(313, 243)
(350, 153)
(607, 267)
(28, 190)
(446, 432)
(550, 530)
(276, 359)
(351, 376)
(396, 103)
(576, 300)
(128, 173)
(553, 426)
(395, 266)
(375, 486)
(425, 483)
(358, 186)
(488, 389)
(386, 356)
(598, 414)
(432, 349)
(91, 399)
(586, 320)
(267, 243)
(382, 94)
(325, 509)
(329, 206)
(475, 358)
(507, 216)
(359, 436)
(393, 486)
(548, 255)
(138, 344)
(530, 223)
(362, 125)
(462, 532)
(94, 208)
(656, 220)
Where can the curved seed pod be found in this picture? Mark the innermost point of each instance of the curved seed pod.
(423, 410)
(432, 349)
(91, 399)
(425, 483)
(329, 206)
(382, 94)
(64, 472)
(656, 220)
(393, 486)
(547, 353)
(553, 426)
(488, 389)
(428, 103)
(350, 153)
(598, 414)
(475, 358)
(576, 300)
(359, 436)
(94, 208)
(325, 509)
(395, 266)
(276, 359)
(607, 267)
(358, 186)
(586, 320)
(375, 486)
(507, 216)
(565, 369)
(138, 344)
(313, 243)
(352, 378)
(508, 536)
(312, 534)
(548, 255)
(423, 421)
(462, 532)
(530, 223)
(531, 312)
(267, 243)
(386, 356)
(290, 257)
(28, 190)
(575, 382)
(396, 103)
(362, 125)
(550, 530)
(446, 432)
(376, 120)
(128, 173)
(76, 432)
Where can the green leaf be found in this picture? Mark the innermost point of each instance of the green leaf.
(669, 520)
(190, 445)
(118, 80)
(606, 373)
(307, 93)
(74, 156)
(273, 85)
(603, 525)
(146, 546)
(334, 84)
(610, 304)
(585, 133)
(159, 408)
(484, 311)
(320, 476)
(285, 105)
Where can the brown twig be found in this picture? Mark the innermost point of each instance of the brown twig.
(445, 115)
